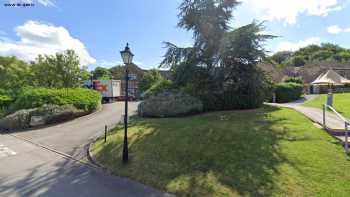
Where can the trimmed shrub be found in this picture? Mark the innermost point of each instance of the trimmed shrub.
(83, 99)
(5, 101)
(48, 114)
(170, 104)
(158, 87)
(287, 92)
(294, 80)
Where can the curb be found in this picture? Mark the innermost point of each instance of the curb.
(93, 160)
(64, 155)
(104, 169)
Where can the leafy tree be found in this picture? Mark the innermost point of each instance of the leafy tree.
(281, 56)
(101, 73)
(149, 78)
(296, 61)
(57, 71)
(117, 72)
(14, 74)
(220, 68)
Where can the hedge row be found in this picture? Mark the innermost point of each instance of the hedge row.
(83, 99)
(170, 104)
(286, 92)
(5, 100)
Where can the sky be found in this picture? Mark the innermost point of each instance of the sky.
(99, 30)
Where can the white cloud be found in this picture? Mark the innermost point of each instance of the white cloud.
(42, 2)
(289, 10)
(293, 46)
(39, 38)
(334, 29)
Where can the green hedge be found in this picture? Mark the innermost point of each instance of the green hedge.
(287, 92)
(294, 80)
(83, 99)
(158, 87)
(170, 104)
(5, 100)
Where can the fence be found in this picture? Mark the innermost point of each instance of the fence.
(346, 124)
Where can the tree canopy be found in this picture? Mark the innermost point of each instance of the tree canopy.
(220, 67)
(149, 78)
(61, 70)
(312, 53)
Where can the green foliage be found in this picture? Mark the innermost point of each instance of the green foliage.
(281, 56)
(83, 99)
(169, 104)
(14, 73)
(150, 78)
(312, 53)
(220, 68)
(158, 87)
(286, 92)
(101, 73)
(294, 80)
(252, 153)
(5, 100)
(296, 61)
(48, 114)
(57, 71)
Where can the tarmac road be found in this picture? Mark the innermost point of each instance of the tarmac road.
(27, 169)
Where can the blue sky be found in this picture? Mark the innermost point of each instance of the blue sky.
(98, 30)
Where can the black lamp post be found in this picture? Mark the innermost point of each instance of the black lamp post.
(127, 59)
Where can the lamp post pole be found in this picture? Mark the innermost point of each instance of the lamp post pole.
(125, 147)
(127, 59)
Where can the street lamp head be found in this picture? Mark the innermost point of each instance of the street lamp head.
(127, 56)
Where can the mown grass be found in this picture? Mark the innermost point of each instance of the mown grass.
(341, 102)
(265, 152)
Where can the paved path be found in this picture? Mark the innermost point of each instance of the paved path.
(27, 170)
(334, 124)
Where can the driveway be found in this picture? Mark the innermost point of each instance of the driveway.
(30, 170)
(73, 137)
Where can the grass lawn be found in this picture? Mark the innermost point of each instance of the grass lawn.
(341, 103)
(265, 152)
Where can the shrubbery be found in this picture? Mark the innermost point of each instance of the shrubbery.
(294, 80)
(170, 104)
(82, 99)
(5, 101)
(47, 114)
(286, 92)
(158, 87)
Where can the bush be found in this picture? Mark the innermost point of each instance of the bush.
(286, 92)
(158, 87)
(294, 80)
(47, 114)
(170, 104)
(5, 101)
(82, 99)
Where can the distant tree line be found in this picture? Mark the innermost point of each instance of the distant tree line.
(312, 53)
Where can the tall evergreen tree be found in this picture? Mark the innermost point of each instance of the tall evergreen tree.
(220, 68)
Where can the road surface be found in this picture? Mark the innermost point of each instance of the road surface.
(27, 169)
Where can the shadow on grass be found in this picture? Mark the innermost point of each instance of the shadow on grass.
(221, 153)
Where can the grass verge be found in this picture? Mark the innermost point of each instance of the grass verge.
(265, 152)
(341, 102)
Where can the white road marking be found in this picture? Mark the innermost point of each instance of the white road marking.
(6, 152)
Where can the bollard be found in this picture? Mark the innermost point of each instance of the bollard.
(330, 99)
(105, 133)
(324, 116)
(346, 138)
